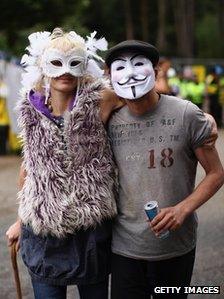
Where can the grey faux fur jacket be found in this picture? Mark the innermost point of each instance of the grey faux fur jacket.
(70, 182)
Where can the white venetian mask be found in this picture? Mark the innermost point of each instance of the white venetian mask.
(132, 76)
(55, 63)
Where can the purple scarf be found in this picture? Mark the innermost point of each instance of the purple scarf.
(38, 101)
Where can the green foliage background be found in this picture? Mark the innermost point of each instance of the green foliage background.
(19, 18)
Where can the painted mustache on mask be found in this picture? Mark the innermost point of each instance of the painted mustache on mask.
(138, 78)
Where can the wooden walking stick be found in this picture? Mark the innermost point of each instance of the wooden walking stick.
(15, 270)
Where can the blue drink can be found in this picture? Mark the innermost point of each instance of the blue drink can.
(152, 209)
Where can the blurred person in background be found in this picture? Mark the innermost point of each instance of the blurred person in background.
(193, 90)
(162, 84)
(197, 91)
(67, 178)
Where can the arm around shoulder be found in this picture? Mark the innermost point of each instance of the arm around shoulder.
(109, 103)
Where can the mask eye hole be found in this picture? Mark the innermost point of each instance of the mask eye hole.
(75, 63)
(139, 63)
(56, 62)
(119, 68)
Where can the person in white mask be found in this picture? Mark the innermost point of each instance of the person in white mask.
(132, 76)
(157, 141)
(68, 176)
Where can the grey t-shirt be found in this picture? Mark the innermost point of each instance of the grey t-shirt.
(156, 161)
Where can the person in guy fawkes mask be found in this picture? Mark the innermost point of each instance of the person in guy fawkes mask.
(157, 142)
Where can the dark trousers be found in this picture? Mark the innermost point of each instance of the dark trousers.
(90, 291)
(136, 279)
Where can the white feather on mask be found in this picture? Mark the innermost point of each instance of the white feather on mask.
(93, 44)
(40, 40)
(27, 60)
(30, 77)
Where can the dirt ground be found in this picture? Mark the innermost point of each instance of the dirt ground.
(209, 266)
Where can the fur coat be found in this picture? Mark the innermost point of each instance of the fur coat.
(71, 177)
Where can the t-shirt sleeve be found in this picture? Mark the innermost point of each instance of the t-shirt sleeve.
(196, 125)
(210, 142)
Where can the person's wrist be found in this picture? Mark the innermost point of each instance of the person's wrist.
(18, 222)
(185, 208)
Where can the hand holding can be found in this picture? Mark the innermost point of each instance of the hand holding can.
(152, 209)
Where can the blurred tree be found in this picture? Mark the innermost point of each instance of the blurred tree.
(161, 35)
(183, 28)
(221, 23)
(184, 24)
(18, 18)
(144, 19)
(207, 36)
(108, 20)
(128, 20)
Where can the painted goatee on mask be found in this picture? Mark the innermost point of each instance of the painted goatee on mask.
(132, 76)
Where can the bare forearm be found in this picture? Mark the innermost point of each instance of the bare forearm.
(209, 159)
(109, 102)
(22, 176)
(173, 217)
(13, 232)
(204, 191)
(21, 180)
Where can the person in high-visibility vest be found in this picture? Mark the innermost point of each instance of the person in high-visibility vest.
(196, 90)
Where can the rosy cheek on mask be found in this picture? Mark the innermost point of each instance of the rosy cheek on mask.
(146, 71)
